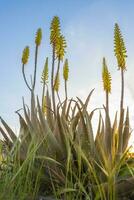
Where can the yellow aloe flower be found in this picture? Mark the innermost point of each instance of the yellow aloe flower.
(38, 37)
(60, 47)
(25, 55)
(119, 48)
(65, 70)
(106, 77)
(44, 76)
(57, 83)
(54, 30)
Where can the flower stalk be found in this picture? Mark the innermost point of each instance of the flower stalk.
(120, 53)
(106, 77)
(25, 57)
(38, 39)
(54, 36)
(44, 79)
(65, 75)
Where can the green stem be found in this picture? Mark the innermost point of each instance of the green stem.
(107, 123)
(66, 89)
(35, 67)
(107, 103)
(43, 93)
(122, 90)
(121, 114)
(58, 68)
(59, 98)
(52, 81)
(24, 76)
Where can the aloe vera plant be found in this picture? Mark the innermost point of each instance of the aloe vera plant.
(57, 151)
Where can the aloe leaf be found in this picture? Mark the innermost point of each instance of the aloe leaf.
(49, 112)
(97, 137)
(74, 110)
(108, 133)
(64, 106)
(68, 109)
(120, 128)
(88, 118)
(33, 108)
(27, 117)
(87, 128)
(8, 141)
(88, 98)
(9, 130)
(62, 131)
(47, 131)
(126, 132)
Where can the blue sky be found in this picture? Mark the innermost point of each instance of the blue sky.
(88, 28)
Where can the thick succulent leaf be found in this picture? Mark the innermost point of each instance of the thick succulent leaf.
(27, 117)
(114, 127)
(80, 128)
(63, 132)
(33, 108)
(49, 112)
(24, 133)
(115, 136)
(56, 131)
(85, 114)
(33, 124)
(90, 132)
(87, 128)
(88, 99)
(108, 133)
(126, 132)
(75, 125)
(102, 132)
(9, 130)
(98, 129)
(99, 140)
(74, 111)
(120, 143)
(52, 141)
(68, 109)
(7, 140)
(64, 106)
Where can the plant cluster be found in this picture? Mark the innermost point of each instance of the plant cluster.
(57, 153)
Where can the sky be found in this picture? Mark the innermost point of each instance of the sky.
(88, 26)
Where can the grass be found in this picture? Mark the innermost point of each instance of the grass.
(57, 153)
